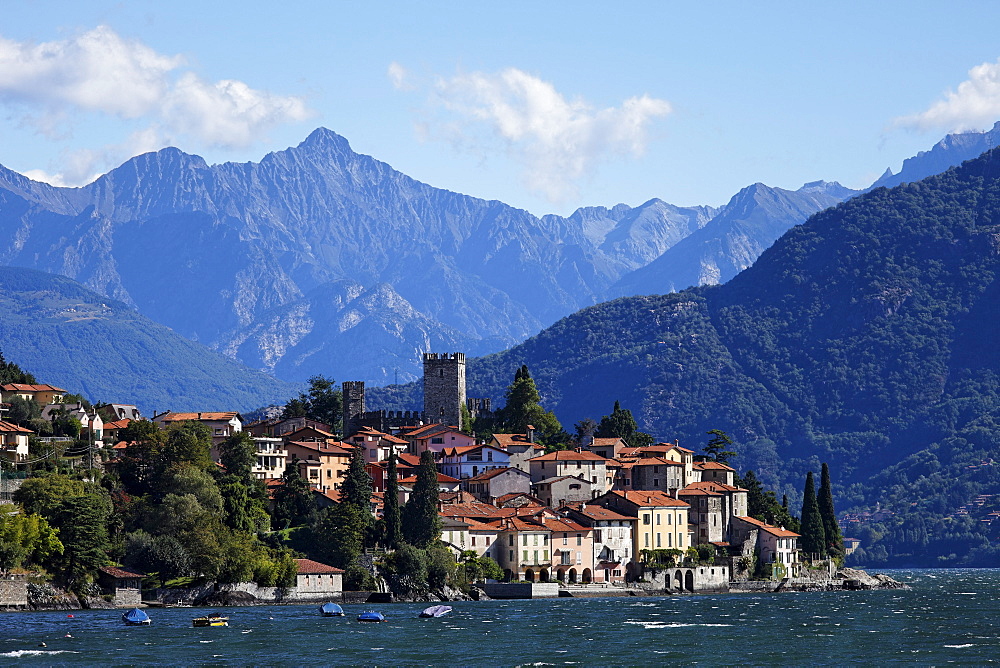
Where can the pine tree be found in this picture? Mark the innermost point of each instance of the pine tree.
(390, 512)
(293, 499)
(620, 424)
(834, 539)
(813, 535)
(716, 446)
(421, 522)
(523, 409)
(356, 490)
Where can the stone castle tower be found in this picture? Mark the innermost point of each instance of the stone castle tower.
(354, 405)
(444, 387)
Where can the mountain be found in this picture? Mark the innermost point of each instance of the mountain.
(106, 351)
(864, 337)
(266, 261)
(730, 242)
(950, 151)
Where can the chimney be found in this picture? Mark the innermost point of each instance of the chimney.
(531, 433)
(199, 416)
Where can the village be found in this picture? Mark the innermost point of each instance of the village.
(601, 518)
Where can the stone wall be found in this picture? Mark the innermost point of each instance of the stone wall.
(690, 579)
(13, 592)
(264, 595)
(444, 388)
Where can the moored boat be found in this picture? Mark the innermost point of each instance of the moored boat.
(214, 619)
(331, 610)
(136, 617)
(371, 616)
(436, 611)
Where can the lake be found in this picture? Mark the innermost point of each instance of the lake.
(948, 616)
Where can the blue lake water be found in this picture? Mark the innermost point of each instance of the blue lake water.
(949, 616)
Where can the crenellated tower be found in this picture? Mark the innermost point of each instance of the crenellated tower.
(444, 387)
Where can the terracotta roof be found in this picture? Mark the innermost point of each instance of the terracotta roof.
(22, 387)
(441, 478)
(433, 429)
(653, 499)
(605, 442)
(712, 486)
(321, 432)
(183, 417)
(117, 424)
(568, 456)
(492, 473)
(595, 512)
(310, 566)
(781, 532)
(712, 466)
(514, 439)
(407, 460)
(10, 427)
(321, 447)
(656, 461)
(117, 572)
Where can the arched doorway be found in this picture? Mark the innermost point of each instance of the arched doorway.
(572, 575)
(587, 576)
(543, 576)
(508, 574)
(561, 575)
(689, 580)
(529, 575)
(678, 581)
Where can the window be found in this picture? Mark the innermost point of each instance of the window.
(511, 539)
(670, 540)
(670, 518)
(437, 440)
(656, 469)
(646, 519)
(657, 519)
(511, 555)
(473, 541)
(579, 557)
(545, 555)
(565, 538)
(329, 473)
(597, 535)
(373, 453)
(535, 538)
(579, 539)
(646, 536)
(656, 482)
(524, 539)
(489, 455)
(525, 559)
(545, 539)
(657, 540)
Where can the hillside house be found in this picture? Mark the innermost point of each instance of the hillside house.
(612, 539)
(436, 438)
(469, 461)
(14, 442)
(323, 464)
(715, 472)
(520, 447)
(491, 485)
(561, 490)
(377, 445)
(776, 546)
(314, 578)
(124, 585)
(40, 394)
(661, 520)
(221, 425)
(575, 463)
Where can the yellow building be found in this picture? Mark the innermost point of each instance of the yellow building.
(661, 520)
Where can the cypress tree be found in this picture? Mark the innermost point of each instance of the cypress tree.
(834, 539)
(421, 522)
(390, 513)
(356, 490)
(813, 535)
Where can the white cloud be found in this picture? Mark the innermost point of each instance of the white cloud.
(559, 141)
(974, 105)
(399, 76)
(100, 72)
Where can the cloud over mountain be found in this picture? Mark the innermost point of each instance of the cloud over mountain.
(99, 72)
(973, 105)
(558, 140)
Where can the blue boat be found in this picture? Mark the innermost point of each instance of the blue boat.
(371, 616)
(331, 610)
(136, 617)
(436, 611)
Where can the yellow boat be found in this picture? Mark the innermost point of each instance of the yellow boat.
(211, 620)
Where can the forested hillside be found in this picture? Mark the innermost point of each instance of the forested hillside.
(862, 338)
(104, 350)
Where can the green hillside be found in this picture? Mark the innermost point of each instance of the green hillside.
(864, 337)
(69, 336)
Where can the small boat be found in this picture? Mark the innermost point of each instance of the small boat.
(214, 619)
(436, 611)
(136, 617)
(371, 616)
(331, 610)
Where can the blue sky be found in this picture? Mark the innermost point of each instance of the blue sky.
(545, 106)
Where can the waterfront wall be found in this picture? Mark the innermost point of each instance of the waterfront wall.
(13, 593)
(189, 595)
(689, 579)
(522, 589)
